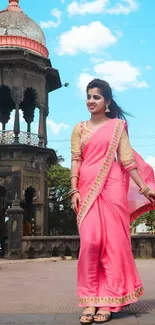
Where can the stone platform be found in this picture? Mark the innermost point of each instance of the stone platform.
(44, 292)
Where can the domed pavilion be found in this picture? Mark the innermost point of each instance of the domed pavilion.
(26, 79)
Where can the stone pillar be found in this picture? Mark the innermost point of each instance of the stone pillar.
(16, 128)
(41, 130)
(45, 131)
(17, 95)
(15, 230)
(38, 221)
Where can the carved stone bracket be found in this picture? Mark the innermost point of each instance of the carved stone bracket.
(31, 181)
(17, 94)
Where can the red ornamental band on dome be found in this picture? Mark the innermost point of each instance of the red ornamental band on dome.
(17, 30)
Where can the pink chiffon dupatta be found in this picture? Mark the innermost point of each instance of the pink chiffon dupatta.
(138, 204)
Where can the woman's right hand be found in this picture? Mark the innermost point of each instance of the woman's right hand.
(76, 201)
(150, 195)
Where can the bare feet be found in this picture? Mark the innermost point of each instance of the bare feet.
(87, 316)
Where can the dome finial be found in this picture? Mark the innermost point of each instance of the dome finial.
(13, 1)
(14, 6)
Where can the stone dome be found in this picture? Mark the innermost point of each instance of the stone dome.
(18, 30)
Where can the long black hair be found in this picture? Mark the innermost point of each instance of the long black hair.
(106, 91)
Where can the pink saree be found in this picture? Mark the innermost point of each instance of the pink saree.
(107, 274)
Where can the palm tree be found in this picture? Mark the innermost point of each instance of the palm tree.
(60, 159)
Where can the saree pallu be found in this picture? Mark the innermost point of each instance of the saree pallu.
(107, 274)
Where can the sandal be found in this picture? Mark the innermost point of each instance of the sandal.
(105, 318)
(89, 318)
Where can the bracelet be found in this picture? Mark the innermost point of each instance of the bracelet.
(74, 176)
(147, 190)
(144, 190)
(71, 192)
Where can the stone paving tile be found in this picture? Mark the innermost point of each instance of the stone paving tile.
(59, 319)
(48, 288)
(37, 260)
(25, 319)
(146, 319)
(118, 319)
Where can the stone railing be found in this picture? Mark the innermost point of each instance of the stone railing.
(8, 137)
(143, 246)
(47, 246)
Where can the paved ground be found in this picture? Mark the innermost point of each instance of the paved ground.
(44, 292)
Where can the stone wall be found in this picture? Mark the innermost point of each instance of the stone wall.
(143, 246)
(47, 246)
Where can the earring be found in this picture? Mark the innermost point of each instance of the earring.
(107, 110)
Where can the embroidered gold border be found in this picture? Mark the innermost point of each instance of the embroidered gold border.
(111, 301)
(129, 164)
(101, 176)
(137, 213)
(76, 156)
(85, 139)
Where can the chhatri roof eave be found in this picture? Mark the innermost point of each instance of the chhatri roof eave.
(38, 63)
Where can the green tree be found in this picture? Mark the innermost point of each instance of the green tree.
(150, 220)
(60, 159)
(59, 178)
(138, 221)
(147, 218)
(61, 216)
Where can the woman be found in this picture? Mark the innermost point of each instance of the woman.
(105, 201)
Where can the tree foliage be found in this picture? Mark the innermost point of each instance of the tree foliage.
(60, 159)
(62, 220)
(59, 178)
(147, 218)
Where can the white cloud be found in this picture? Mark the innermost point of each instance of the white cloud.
(151, 161)
(140, 84)
(23, 124)
(98, 59)
(56, 128)
(120, 74)
(85, 39)
(83, 81)
(84, 7)
(125, 7)
(148, 68)
(10, 123)
(50, 23)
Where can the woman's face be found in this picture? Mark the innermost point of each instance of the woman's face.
(95, 101)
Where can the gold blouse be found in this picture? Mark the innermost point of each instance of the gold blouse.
(124, 151)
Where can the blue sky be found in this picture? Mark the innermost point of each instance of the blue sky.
(113, 40)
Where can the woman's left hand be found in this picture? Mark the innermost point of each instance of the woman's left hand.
(150, 195)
